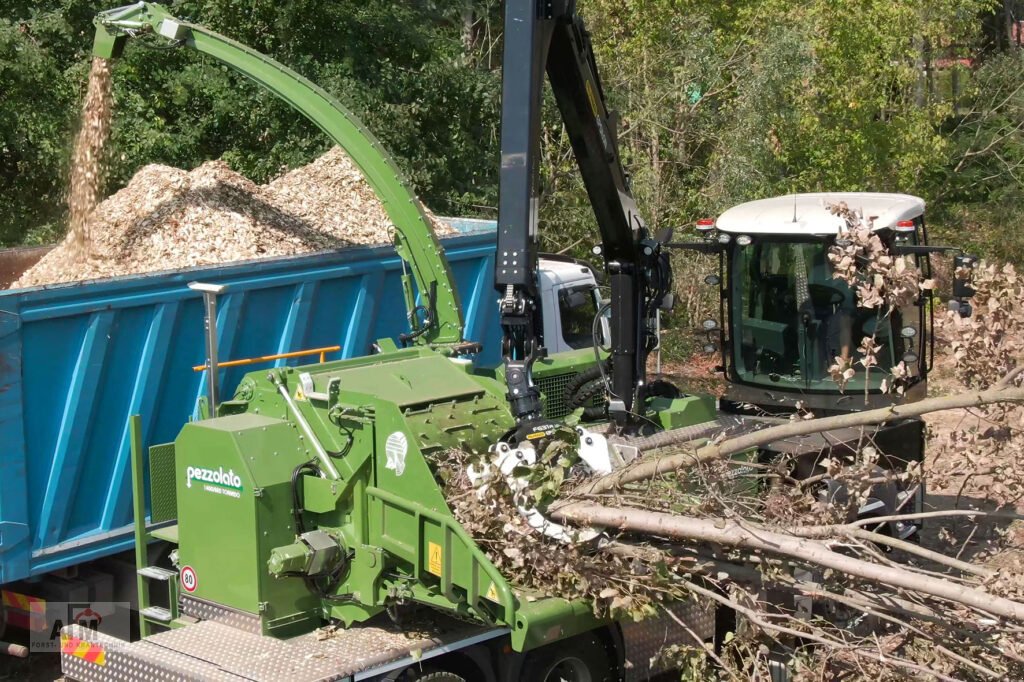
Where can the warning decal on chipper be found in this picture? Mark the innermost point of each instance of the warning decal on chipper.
(435, 558)
(189, 581)
(79, 648)
(396, 447)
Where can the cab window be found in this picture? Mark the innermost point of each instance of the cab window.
(577, 308)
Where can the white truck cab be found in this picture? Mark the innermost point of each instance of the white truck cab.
(570, 301)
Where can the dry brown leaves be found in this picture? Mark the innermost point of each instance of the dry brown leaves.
(540, 566)
(168, 219)
(883, 281)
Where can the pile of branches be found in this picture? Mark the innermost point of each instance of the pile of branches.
(831, 595)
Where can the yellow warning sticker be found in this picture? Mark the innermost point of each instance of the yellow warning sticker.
(592, 98)
(492, 592)
(299, 395)
(434, 558)
(536, 434)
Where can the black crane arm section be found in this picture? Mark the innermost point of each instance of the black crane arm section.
(548, 35)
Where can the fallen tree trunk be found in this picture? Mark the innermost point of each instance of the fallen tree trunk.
(651, 467)
(730, 533)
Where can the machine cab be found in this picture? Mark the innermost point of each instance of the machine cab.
(787, 319)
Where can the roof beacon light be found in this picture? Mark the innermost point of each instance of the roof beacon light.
(905, 226)
(743, 240)
(705, 224)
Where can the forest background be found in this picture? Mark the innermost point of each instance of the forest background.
(720, 102)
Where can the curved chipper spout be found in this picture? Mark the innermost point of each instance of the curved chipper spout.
(436, 319)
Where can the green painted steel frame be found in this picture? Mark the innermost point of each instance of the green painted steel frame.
(143, 536)
(414, 240)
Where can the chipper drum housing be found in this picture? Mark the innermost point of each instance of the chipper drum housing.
(311, 485)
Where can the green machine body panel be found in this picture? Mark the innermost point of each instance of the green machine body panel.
(382, 419)
(234, 506)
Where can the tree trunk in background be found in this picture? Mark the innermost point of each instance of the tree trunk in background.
(469, 33)
(1008, 20)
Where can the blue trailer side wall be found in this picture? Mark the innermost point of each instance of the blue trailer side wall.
(77, 360)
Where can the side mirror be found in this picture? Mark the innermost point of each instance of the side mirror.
(574, 299)
(961, 308)
(961, 287)
(606, 331)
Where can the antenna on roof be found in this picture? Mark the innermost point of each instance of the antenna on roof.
(794, 206)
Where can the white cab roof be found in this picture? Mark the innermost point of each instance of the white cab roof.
(775, 215)
(564, 273)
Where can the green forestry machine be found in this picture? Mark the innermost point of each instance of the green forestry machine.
(784, 319)
(306, 514)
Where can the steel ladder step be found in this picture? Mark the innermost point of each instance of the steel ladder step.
(157, 573)
(156, 613)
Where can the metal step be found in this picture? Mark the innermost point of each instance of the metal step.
(157, 573)
(156, 613)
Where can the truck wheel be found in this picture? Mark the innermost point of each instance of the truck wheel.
(580, 659)
(439, 677)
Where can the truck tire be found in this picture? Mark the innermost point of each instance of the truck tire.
(579, 659)
(439, 677)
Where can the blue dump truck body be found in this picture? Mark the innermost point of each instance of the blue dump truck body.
(77, 360)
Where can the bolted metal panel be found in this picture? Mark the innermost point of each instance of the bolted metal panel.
(163, 500)
(644, 640)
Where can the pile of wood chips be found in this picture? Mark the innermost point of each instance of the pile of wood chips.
(168, 219)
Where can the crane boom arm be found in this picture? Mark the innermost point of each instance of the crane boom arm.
(550, 37)
(414, 240)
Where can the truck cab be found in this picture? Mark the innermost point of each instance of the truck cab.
(570, 300)
(786, 319)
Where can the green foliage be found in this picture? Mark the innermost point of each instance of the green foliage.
(720, 103)
(400, 66)
(982, 190)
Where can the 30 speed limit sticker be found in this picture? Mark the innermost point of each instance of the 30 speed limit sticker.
(188, 579)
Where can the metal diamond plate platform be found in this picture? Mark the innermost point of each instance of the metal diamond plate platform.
(211, 650)
(249, 656)
(204, 610)
(123, 662)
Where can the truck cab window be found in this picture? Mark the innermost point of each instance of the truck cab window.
(577, 307)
